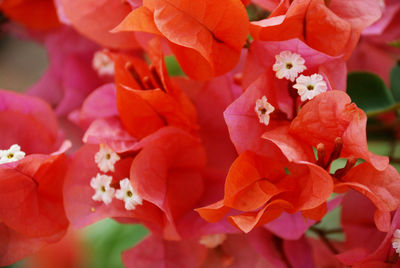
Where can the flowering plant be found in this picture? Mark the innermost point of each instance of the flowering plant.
(229, 133)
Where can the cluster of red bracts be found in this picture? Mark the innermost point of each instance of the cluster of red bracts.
(228, 166)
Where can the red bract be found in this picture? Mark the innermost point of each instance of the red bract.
(31, 187)
(267, 4)
(168, 173)
(336, 127)
(146, 99)
(261, 58)
(240, 116)
(81, 210)
(293, 226)
(261, 188)
(67, 253)
(258, 249)
(110, 131)
(377, 250)
(323, 256)
(158, 253)
(31, 191)
(70, 76)
(221, 92)
(381, 187)
(20, 115)
(99, 104)
(93, 19)
(169, 192)
(260, 80)
(330, 116)
(332, 27)
(220, 34)
(33, 14)
(357, 219)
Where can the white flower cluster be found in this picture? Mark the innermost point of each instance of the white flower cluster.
(289, 65)
(105, 159)
(13, 154)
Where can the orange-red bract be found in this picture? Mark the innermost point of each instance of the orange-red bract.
(146, 99)
(331, 119)
(205, 36)
(156, 252)
(21, 114)
(332, 27)
(70, 252)
(31, 205)
(331, 115)
(261, 188)
(167, 172)
(33, 14)
(381, 187)
(82, 210)
(95, 18)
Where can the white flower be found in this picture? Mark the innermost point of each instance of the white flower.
(310, 86)
(288, 65)
(396, 241)
(212, 241)
(106, 158)
(263, 109)
(12, 154)
(103, 64)
(104, 192)
(128, 195)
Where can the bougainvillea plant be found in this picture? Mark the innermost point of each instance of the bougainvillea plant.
(210, 133)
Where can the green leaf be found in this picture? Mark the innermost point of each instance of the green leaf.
(107, 239)
(395, 44)
(173, 67)
(380, 147)
(369, 92)
(395, 82)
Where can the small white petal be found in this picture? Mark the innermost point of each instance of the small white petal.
(310, 86)
(13, 154)
(106, 158)
(128, 195)
(263, 109)
(103, 64)
(288, 65)
(103, 191)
